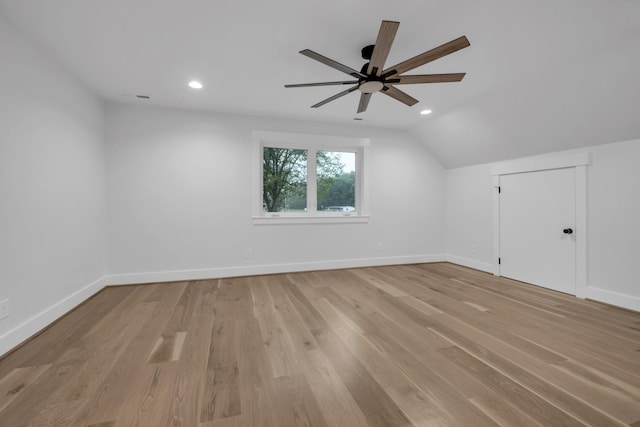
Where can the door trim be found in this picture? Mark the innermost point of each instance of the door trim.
(533, 164)
(579, 161)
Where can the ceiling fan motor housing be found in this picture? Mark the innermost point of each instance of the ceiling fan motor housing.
(370, 84)
(367, 51)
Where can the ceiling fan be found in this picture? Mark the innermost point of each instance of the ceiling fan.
(374, 78)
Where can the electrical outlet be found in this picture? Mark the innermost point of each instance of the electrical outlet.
(248, 253)
(4, 309)
(379, 247)
(474, 249)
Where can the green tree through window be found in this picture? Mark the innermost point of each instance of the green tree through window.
(284, 180)
(336, 188)
(284, 173)
(341, 191)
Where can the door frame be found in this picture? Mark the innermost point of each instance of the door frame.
(578, 161)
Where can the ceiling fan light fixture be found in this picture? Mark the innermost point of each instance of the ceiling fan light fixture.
(426, 112)
(371, 86)
(195, 84)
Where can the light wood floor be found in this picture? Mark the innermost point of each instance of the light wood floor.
(415, 345)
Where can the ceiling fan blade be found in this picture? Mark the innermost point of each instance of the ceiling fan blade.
(399, 95)
(331, 63)
(351, 82)
(334, 97)
(364, 102)
(426, 78)
(382, 47)
(426, 57)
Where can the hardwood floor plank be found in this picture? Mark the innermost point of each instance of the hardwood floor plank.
(255, 377)
(183, 312)
(588, 373)
(418, 406)
(168, 348)
(420, 305)
(409, 345)
(57, 338)
(506, 328)
(116, 388)
(236, 421)
(371, 276)
(504, 413)
(295, 403)
(17, 381)
(186, 403)
(111, 388)
(431, 382)
(374, 402)
(334, 399)
(354, 312)
(104, 424)
(146, 400)
(476, 306)
(299, 333)
(101, 369)
(525, 383)
(66, 382)
(279, 346)
(333, 315)
(309, 313)
(509, 390)
(534, 321)
(221, 397)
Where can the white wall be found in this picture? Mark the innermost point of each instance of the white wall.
(52, 190)
(180, 189)
(468, 226)
(614, 224)
(613, 241)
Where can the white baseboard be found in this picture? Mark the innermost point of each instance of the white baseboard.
(471, 263)
(22, 332)
(216, 273)
(614, 298)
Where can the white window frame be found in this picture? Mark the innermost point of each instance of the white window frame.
(312, 144)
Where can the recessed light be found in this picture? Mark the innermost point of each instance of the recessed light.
(195, 85)
(425, 112)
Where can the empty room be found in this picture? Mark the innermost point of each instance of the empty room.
(322, 214)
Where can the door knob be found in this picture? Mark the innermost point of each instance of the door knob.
(568, 231)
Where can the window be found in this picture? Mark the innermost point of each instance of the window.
(284, 179)
(309, 178)
(336, 181)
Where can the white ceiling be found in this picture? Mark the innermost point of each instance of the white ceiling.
(542, 75)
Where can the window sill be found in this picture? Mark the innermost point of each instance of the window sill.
(287, 220)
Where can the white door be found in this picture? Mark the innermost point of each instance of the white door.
(537, 236)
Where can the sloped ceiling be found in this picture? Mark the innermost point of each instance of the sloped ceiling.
(542, 75)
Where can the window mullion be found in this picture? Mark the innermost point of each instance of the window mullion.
(312, 182)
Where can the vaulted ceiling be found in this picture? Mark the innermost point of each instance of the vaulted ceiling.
(542, 75)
